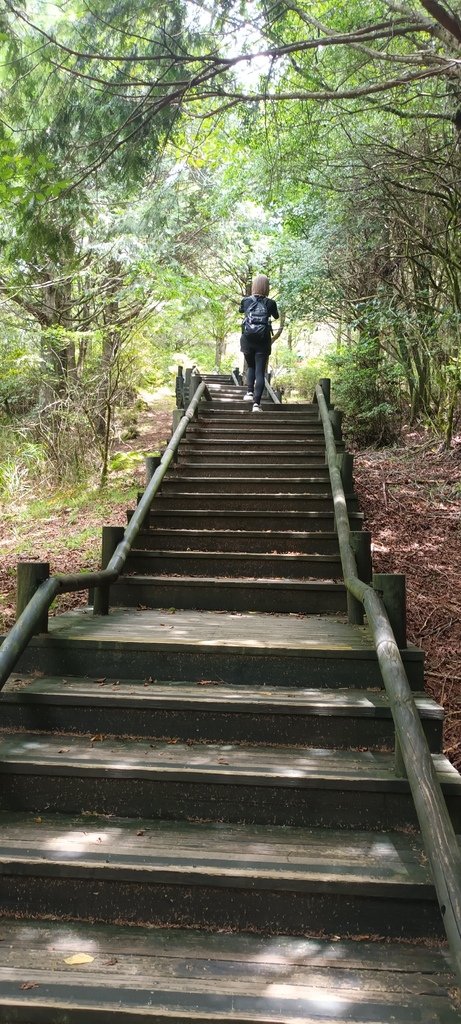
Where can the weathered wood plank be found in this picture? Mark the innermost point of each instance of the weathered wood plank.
(190, 977)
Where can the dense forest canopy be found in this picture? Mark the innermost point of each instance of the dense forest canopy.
(155, 155)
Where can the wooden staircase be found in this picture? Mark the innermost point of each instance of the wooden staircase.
(199, 792)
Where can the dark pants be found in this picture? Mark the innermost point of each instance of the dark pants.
(257, 362)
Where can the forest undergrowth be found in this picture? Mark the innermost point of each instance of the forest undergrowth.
(411, 497)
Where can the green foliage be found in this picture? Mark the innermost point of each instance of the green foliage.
(22, 463)
(121, 461)
(368, 388)
(20, 364)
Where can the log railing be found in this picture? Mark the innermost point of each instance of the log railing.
(413, 753)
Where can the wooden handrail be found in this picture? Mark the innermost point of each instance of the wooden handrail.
(437, 831)
(23, 630)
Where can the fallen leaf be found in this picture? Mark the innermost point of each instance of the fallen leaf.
(141, 832)
(79, 958)
(222, 760)
(208, 682)
(38, 821)
(101, 680)
(29, 984)
(98, 738)
(110, 963)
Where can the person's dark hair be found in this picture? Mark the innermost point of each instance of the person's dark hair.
(260, 285)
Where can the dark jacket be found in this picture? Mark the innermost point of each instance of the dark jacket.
(253, 341)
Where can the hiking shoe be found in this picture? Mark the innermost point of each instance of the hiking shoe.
(257, 408)
(249, 397)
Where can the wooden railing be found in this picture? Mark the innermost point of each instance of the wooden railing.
(33, 617)
(413, 753)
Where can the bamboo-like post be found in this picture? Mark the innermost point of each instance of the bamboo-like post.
(360, 542)
(151, 463)
(345, 463)
(391, 588)
(111, 537)
(29, 576)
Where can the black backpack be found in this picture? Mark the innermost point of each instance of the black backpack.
(256, 320)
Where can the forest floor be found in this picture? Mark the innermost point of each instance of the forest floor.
(411, 497)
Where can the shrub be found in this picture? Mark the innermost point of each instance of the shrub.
(368, 388)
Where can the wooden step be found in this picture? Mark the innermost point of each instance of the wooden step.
(267, 459)
(267, 431)
(255, 444)
(251, 501)
(180, 481)
(294, 411)
(229, 594)
(233, 564)
(242, 519)
(237, 419)
(234, 407)
(242, 648)
(279, 880)
(244, 468)
(209, 710)
(271, 462)
(189, 976)
(159, 538)
(263, 452)
(304, 787)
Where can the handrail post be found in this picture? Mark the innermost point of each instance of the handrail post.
(391, 588)
(179, 388)
(195, 382)
(336, 420)
(176, 419)
(29, 576)
(360, 542)
(151, 463)
(325, 384)
(187, 386)
(111, 537)
(345, 463)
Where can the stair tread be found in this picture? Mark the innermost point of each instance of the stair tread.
(252, 513)
(179, 477)
(262, 495)
(224, 854)
(206, 694)
(189, 975)
(257, 632)
(296, 535)
(225, 556)
(218, 762)
(234, 582)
